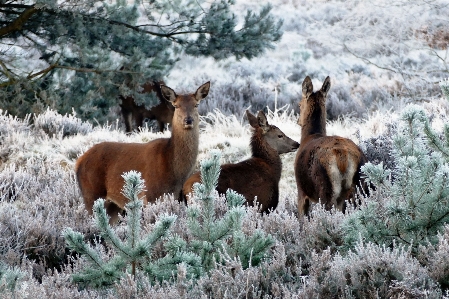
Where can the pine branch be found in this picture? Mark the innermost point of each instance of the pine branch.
(18, 23)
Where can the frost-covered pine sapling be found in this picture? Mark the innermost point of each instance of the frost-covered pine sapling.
(411, 208)
(9, 277)
(213, 235)
(439, 143)
(130, 255)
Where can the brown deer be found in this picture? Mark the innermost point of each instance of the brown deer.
(164, 163)
(259, 175)
(162, 112)
(327, 168)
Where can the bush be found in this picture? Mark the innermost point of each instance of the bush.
(53, 124)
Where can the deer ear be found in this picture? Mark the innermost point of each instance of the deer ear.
(307, 87)
(326, 86)
(263, 122)
(202, 91)
(168, 93)
(252, 119)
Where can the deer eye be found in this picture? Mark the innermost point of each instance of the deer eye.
(280, 136)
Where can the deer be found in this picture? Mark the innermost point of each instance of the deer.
(259, 175)
(165, 163)
(162, 112)
(327, 168)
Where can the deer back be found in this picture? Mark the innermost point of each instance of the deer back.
(327, 168)
(165, 163)
(259, 175)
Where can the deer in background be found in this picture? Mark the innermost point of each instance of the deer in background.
(327, 168)
(164, 163)
(162, 112)
(259, 175)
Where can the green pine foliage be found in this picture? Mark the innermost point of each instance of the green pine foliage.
(218, 237)
(131, 255)
(9, 278)
(84, 53)
(411, 204)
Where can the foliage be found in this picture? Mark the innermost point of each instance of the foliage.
(53, 123)
(132, 255)
(394, 42)
(444, 84)
(411, 208)
(85, 53)
(215, 236)
(370, 271)
(9, 277)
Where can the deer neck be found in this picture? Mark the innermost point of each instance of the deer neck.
(315, 124)
(261, 149)
(184, 148)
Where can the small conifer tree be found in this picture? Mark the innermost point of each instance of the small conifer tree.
(215, 236)
(411, 204)
(130, 255)
(9, 277)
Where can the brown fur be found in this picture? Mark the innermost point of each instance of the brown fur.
(165, 163)
(162, 112)
(327, 168)
(259, 175)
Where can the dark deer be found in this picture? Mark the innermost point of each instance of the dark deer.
(327, 168)
(162, 112)
(165, 163)
(259, 175)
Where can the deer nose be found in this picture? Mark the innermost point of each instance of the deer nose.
(188, 120)
(296, 145)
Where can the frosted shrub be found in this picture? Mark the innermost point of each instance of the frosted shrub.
(33, 212)
(444, 84)
(53, 123)
(369, 271)
(9, 123)
(378, 149)
(412, 208)
(437, 259)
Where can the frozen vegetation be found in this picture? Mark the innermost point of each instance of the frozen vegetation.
(386, 96)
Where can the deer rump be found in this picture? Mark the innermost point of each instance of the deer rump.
(330, 170)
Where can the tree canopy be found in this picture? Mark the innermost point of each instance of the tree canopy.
(84, 53)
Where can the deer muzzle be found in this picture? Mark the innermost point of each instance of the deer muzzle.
(188, 122)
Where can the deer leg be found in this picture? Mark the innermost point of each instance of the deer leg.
(127, 117)
(90, 198)
(161, 125)
(303, 203)
(113, 211)
(139, 119)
